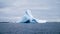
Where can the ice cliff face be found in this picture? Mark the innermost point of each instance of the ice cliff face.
(28, 18)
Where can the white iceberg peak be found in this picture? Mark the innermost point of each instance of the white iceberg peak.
(28, 18)
(28, 12)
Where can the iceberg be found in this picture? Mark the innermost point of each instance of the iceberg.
(28, 18)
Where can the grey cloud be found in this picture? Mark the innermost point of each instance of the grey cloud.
(42, 9)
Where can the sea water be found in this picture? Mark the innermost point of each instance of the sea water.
(30, 28)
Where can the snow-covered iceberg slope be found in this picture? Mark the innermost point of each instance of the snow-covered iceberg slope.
(28, 18)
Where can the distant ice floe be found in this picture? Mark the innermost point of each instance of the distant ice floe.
(28, 18)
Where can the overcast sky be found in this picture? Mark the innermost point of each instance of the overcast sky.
(12, 10)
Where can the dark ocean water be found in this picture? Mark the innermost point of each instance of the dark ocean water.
(30, 28)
